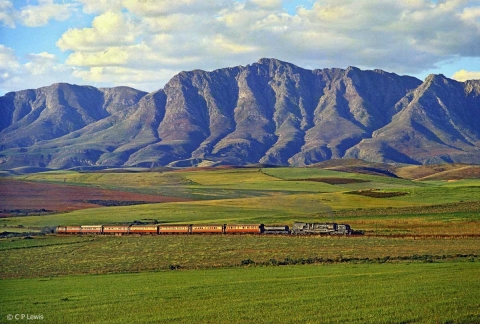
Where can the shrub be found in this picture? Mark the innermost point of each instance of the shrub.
(247, 262)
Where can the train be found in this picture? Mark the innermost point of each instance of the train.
(298, 228)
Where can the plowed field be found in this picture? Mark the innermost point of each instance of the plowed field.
(28, 198)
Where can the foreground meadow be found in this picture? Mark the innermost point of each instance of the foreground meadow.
(342, 293)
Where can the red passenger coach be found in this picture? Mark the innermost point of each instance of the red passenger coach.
(115, 229)
(243, 228)
(143, 229)
(173, 229)
(91, 229)
(73, 229)
(207, 229)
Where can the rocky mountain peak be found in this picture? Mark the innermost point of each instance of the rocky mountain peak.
(270, 112)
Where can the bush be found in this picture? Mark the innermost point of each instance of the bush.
(247, 262)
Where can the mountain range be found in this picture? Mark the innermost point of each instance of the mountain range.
(269, 112)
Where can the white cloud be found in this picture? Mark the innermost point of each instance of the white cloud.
(108, 29)
(8, 64)
(268, 4)
(401, 32)
(113, 56)
(7, 13)
(42, 64)
(135, 37)
(220, 43)
(125, 76)
(100, 6)
(42, 69)
(464, 75)
(471, 14)
(35, 15)
(157, 8)
(171, 35)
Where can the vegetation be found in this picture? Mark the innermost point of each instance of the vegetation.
(275, 195)
(423, 232)
(74, 255)
(344, 293)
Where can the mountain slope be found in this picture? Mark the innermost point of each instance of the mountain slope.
(269, 112)
(436, 123)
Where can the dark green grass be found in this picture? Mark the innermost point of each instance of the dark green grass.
(22, 243)
(361, 293)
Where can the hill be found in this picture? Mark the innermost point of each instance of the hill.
(270, 112)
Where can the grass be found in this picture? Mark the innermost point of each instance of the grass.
(74, 255)
(353, 293)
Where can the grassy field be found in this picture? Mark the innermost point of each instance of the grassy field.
(346, 293)
(417, 262)
(75, 255)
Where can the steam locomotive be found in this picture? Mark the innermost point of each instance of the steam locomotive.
(161, 229)
(321, 228)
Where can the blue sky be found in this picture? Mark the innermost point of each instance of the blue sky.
(143, 43)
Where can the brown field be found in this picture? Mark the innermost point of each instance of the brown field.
(463, 172)
(455, 171)
(439, 172)
(30, 198)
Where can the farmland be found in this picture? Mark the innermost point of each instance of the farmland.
(109, 254)
(350, 293)
(410, 227)
(24, 198)
(376, 204)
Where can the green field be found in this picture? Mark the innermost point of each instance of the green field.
(358, 293)
(419, 260)
(74, 255)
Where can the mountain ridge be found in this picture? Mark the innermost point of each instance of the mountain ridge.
(269, 112)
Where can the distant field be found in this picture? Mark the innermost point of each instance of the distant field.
(342, 293)
(376, 204)
(21, 198)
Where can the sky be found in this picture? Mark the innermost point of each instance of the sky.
(144, 43)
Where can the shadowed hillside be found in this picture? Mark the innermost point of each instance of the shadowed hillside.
(270, 112)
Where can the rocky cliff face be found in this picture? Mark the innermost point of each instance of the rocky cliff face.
(438, 122)
(269, 112)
